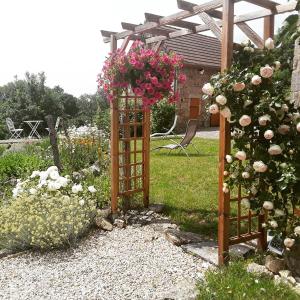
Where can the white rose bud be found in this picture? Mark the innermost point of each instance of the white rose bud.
(269, 134)
(245, 120)
(253, 190)
(225, 173)
(213, 109)
(297, 230)
(285, 107)
(266, 71)
(268, 205)
(208, 89)
(81, 202)
(229, 159)
(288, 242)
(275, 150)
(226, 113)
(241, 155)
(298, 127)
(279, 212)
(269, 43)
(245, 203)
(92, 189)
(225, 190)
(264, 119)
(260, 167)
(256, 80)
(245, 175)
(277, 65)
(221, 99)
(273, 224)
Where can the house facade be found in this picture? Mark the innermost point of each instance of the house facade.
(202, 56)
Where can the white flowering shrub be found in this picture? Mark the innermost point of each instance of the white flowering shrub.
(47, 211)
(254, 97)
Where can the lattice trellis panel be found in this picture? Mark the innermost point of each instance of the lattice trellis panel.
(133, 149)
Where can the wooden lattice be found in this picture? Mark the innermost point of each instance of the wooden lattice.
(130, 150)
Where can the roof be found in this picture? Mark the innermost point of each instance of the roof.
(196, 49)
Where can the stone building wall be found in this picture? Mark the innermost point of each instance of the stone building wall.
(196, 78)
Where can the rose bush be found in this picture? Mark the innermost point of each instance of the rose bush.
(148, 73)
(264, 124)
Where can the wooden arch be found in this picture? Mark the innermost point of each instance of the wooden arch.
(221, 23)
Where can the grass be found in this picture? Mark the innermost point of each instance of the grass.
(187, 186)
(235, 283)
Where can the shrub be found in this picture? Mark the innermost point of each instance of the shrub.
(2, 149)
(48, 211)
(163, 114)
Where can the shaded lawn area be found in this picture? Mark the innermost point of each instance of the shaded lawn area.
(187, 186)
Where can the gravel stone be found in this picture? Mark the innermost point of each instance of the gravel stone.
(131, 263)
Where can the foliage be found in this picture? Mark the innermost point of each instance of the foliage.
(48, 211)
(234, 283)
(2, 149)
(254, 97)
(163, 114)
(150, 74)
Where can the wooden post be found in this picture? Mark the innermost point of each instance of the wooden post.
(146, 153)
(53, 141)
(224, 147)
(114, 143)
(269, 27)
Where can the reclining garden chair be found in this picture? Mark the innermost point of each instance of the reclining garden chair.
(164, 134)
(15, 133)
(190, 133)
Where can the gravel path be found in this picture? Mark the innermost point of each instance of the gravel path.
(131, 263)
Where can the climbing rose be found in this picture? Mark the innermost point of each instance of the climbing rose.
(264, 119)
(208, 89)
(229, 159)
(269, 134)
(266, 71)
(275, 150)
(284, 107)
(283, 129)
(226, 113)
(239, 86)
(297, 230)
(213, 109)
(260, 167)
(245, 175)
(256, 80)
(277, 65)
(268, 205)
(273, 224)
(279, 212)
(298, 127)
(221, 100)
(288, 242)
(245, 120)
(241, 155)
(269, 44)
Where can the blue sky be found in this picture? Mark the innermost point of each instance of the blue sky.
(62, 37)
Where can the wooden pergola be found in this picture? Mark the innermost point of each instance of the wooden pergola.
(218, 17)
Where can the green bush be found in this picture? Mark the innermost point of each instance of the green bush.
(2, 149)
(163, 114)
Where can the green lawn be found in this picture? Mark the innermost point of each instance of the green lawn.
(187, 186)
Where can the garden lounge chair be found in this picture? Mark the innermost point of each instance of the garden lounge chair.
(186, 140)
(170, 131)
(15, 133)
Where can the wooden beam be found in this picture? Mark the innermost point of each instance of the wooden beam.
(125, 43)
(251, 34)
(269, 27)
(211, 23)
(106, 33)
(224, 143)
(264, 3)
(156, 46)
(155, 31)
(290, 6)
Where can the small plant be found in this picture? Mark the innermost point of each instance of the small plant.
(47, 211)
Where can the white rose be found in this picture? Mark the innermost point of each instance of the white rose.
(63, 181)
(264, 119)
(53, 186)
(76, 188)
(279, 212)
(245, 120)
(35, 174)
(229, 159)
(32, 191)
(54, 175)
(241, 155)
(213, 109)
(297, 230)
(266, 71)
(259, 166)
(245, 175)
(284, 129)
(221, 99)
(275, 150)
(269, 134)
(288, 242)
(226, 113)
(92, 189)
(208, 89)
(249, 49)
(256, 80)
(273, 224)
(225, 190)
(268, 205)
(225, 173)
(238, 86)
(285, 107)
(253, 190)
(81, 202)
(245, 202)
(52, 168)
(277, 65)
(269, 43)
(298, 127)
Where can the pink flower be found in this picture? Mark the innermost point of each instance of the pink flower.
(239, 86)
(266, 72)
(256, 80)
(182, 78)
(154, 80)
(138, 92)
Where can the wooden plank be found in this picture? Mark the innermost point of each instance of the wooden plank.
(156, 46)
(264, 3)
(146, 155)
(155, 31)
(211, 23)
(269, 27)
(251, 34)
(125, 43)
(224, 143)
(114, 143)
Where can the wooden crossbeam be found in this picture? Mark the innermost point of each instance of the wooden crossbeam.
(251, 34)
(279, 9)
(155, 31)
(211, 23)
(264, 3)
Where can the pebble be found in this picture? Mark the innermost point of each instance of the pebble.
(132, 263)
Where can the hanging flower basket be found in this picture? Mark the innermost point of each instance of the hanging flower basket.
(147, 73)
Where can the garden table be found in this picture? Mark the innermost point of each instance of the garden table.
(33, 124)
